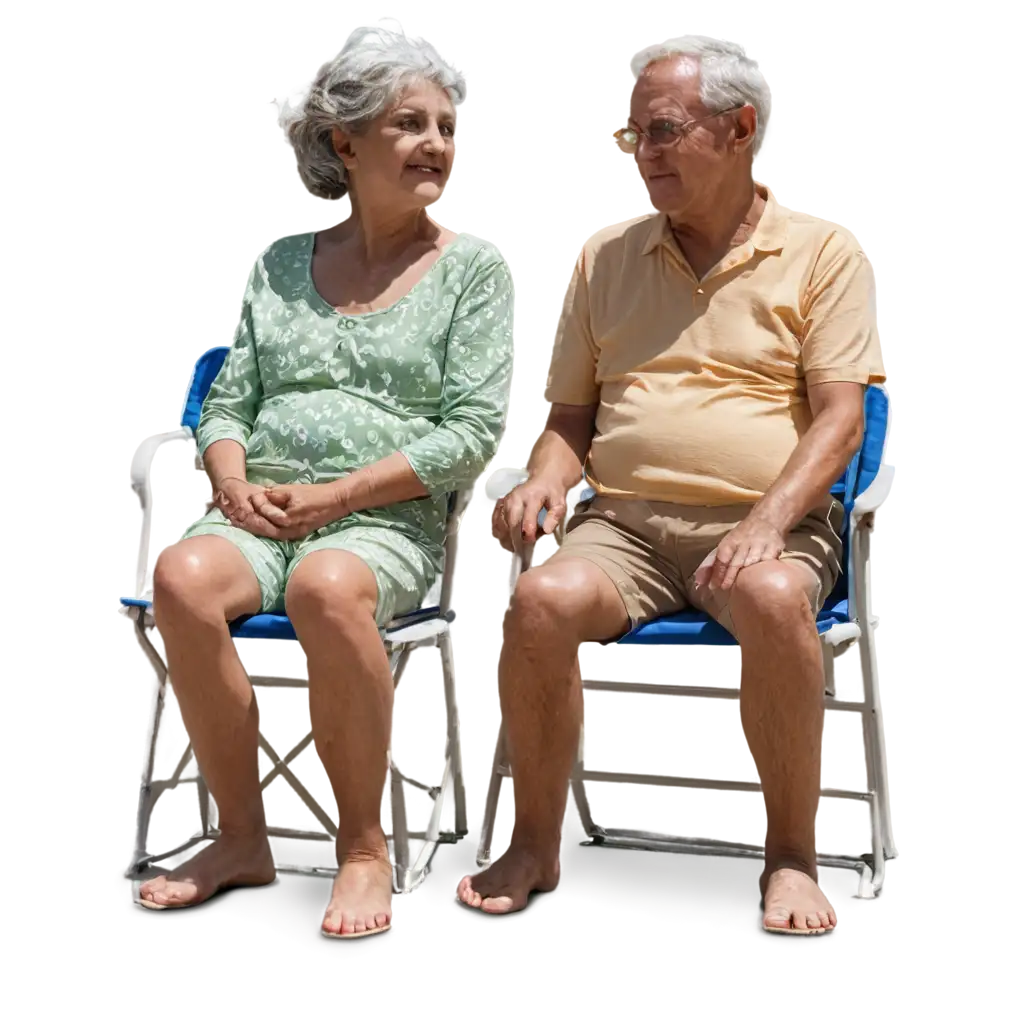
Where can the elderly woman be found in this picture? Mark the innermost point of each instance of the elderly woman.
(368, 379)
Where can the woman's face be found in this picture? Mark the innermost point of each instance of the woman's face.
(405, 152)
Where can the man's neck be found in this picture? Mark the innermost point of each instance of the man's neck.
(727, 222)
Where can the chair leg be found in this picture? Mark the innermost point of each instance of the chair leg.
(483, 853)
(871, 881)
(876, 875)
(138, 859)
(579, 793)
(874, 739)
(407, 873)
(453, 753)
(828, 657)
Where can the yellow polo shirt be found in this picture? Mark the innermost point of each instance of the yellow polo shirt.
(702, 384)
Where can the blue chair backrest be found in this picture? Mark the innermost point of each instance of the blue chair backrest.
(206, 369)
(862, 471)
(863, 467)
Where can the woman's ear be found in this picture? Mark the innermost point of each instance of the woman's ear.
(343, 147)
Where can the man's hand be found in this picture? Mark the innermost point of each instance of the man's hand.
(247, 506)
(303, 508)
(754, 540)
(514, 520)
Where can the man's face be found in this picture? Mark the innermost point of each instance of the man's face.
(687, 173)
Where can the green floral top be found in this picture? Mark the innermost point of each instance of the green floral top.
(313, 394)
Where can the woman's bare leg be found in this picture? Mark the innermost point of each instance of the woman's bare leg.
(201, 584)
(331, 599)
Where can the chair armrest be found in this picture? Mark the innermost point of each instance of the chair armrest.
(142, 460)
(500, 480)
(871, 499)
(168, 494)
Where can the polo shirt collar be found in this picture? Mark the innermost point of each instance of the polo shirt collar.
(769, 235)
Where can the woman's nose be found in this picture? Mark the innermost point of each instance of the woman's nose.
(434, 140)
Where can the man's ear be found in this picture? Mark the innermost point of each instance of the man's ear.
(746, 126)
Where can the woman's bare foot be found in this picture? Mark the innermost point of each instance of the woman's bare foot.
(229, 862)
(361, 898)
(794, 903)
(506, 885)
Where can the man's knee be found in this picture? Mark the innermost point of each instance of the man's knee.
(571, 599)
(773, 594)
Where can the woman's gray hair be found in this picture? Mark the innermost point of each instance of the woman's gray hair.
(728, 77)
(350, 91)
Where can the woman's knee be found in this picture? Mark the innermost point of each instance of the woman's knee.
(181, 581)
(198, 580)
(337, 591)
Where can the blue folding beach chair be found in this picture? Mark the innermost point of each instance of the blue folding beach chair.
(173, 810)
(845, 619)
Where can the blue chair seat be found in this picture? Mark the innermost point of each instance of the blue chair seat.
(695, 627)
(266, 626)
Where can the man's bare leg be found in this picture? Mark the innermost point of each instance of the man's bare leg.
(782, 709)
(331, 599)
(200, 585)
(554, 609)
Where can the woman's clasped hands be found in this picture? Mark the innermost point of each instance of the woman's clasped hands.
(281, 511)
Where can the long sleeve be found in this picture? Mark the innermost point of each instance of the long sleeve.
(233, 400)
(477, 379)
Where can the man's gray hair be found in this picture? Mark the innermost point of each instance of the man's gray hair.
(728, 77)
(350, 91)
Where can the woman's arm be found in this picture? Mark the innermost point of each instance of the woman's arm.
(477, 379)
(474, 404)
(231, 404)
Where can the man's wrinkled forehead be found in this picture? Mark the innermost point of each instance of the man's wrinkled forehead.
(669, 85)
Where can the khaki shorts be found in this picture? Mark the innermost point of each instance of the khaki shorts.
(650, 550)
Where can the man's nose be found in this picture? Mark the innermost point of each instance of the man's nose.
(645, 149)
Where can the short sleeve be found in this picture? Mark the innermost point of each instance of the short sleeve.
(840, 339)
(572, 375)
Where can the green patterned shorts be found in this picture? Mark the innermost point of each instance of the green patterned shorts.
(404, 570)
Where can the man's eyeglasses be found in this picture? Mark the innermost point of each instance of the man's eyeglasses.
(662, 133)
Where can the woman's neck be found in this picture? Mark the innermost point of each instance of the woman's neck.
(378, 234)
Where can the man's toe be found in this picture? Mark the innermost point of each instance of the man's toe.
(497, 904)
(380, 920)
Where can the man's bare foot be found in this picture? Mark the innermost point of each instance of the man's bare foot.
(793, 903)
(506, 885)
(229, 862)
(361, 898)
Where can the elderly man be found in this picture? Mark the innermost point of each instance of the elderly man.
(708, 375)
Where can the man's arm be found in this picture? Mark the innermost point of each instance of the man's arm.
(820, 458)
(840, 354)
(556, 463)
(561, 450)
